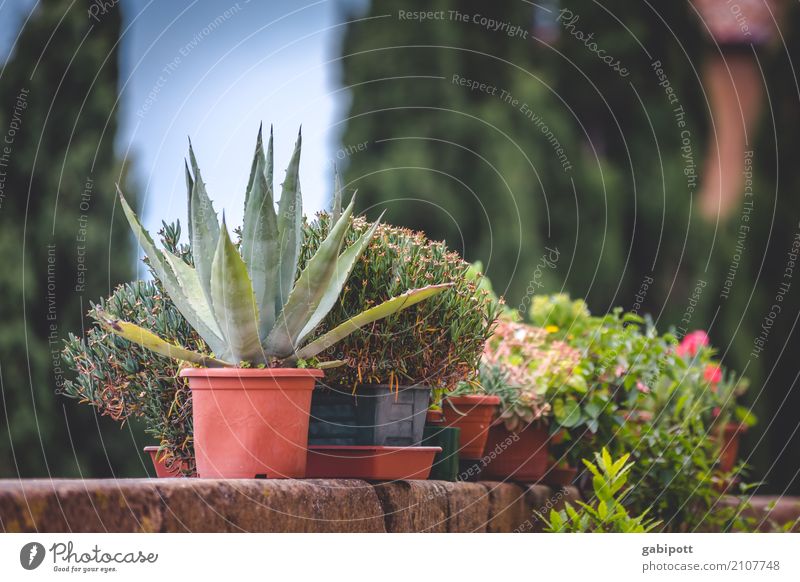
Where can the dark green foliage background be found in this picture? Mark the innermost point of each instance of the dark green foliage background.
(468, 168)
(67, 134)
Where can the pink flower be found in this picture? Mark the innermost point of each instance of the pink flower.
(712, 374)
(619, 371)
(716, 411)
(643, 388)
(692, 343)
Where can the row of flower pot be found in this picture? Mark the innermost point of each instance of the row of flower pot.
(274, 423)
(279, 423)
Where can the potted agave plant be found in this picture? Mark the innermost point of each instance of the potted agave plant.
(251, 394)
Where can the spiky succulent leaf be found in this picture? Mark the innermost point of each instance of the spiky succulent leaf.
(189, 188)
(385, 309)
(204, 227)
(151, 341)
(195, 311)
(336, 207)
(344, 266)
(260, 240)
(234, 302)
(309, 290)
(290, 223)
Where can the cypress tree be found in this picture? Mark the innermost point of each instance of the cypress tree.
(63, 244)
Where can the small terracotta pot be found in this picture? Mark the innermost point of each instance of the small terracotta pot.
(560, 476)
(370, 462)
(521, 455)
(434, 417)
(162, 471)
(729, 451)
(473, 414)
(251, 422)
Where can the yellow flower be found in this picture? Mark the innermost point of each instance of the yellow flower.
(551, 328)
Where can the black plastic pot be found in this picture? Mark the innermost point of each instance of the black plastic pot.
(445, 464)
(375, 415)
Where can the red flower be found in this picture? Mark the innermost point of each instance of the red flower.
(691, 343)
(712, 373)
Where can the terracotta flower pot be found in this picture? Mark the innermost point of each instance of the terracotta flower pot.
(729, 452)
(162, 471)
(557, 476)
(473, 414)
(251, 422)
(521, 455)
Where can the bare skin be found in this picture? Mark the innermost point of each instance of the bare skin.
(734, 87)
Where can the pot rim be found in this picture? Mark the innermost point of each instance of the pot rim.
(251, 372)
(475, 399)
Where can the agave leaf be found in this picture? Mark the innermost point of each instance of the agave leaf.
(151, 341)
(336, 209)
(270, 162)
(309, 291)
(260, 240)
(254, 167)
(195, 312)
(290, 223)
(204, 228)
(234, 301)
(385, 309)
(189, 188)
(344, 266)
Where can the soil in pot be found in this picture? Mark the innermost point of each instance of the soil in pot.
(370, 462)
(162, 471)
(376, 414)
(473, 414)
(445, 463)
(519, 456)
(251, 422)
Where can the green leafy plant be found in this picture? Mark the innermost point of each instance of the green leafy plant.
(245, 302)
(605, 513)
(437, 344)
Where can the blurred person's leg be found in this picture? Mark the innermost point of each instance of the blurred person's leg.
(734, 88)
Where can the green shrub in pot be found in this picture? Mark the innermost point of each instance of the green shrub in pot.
(438, 344)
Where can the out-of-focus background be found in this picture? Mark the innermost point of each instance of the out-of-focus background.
(513, 130)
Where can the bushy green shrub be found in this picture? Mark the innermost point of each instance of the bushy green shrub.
(438, 342)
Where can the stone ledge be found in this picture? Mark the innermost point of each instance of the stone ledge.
(314, 505)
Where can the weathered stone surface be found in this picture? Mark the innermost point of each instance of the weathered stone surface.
(415, 506)
(203, 505)
(772, 513)
(72, 505)
(540, 499)
(468, 507)
(508, 511)
(200, 505)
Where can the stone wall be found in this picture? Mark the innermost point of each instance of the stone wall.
(314, 505)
